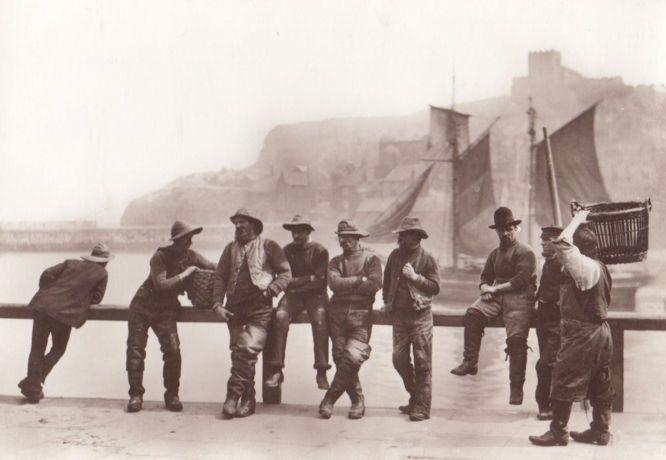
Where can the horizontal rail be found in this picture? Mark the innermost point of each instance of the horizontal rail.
(619, 322)
(626, 320)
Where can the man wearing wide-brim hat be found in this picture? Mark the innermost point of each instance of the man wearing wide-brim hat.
(411, 279)
(155, 306)
(508, 285)
(354, 277)
(251, 272)
(548, 319)
(63, 301)
(308, 261)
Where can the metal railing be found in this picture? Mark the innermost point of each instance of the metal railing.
(619, 322)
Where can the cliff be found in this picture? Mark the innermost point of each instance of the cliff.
(319, 167)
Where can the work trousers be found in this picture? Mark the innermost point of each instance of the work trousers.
(163, 324)
(248, 329)
(288, 309)
(40, 363)
(548, 335)
(516, 310)
(350, 326)
(412, 333)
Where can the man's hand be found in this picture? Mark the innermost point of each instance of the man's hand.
(581, 215)
(486, 297)
(222, 312)
(487, 289)
(188, 271)
(408, 272)
(385, 309)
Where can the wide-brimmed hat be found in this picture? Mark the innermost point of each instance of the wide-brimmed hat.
(242, 212)
(550, 232)
(503, 218)
(349, 228)
(298, 221)
(100, 253)
(180, 229)
(411, 224)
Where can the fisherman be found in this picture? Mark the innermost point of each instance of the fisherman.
(308, 261)
(252, 270)
(155, 306)
(547, 320)
(411, 279)
(508, 284)
(582, 368)
(355, 276)
(63, 301)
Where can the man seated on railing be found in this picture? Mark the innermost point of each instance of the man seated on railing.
(251, 271)
(306, 291)
(582, 368)
(355, 276)
(155, 306)
(508, 283)
(411, 279)
(63, 301)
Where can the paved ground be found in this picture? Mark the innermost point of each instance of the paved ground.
(99, 428)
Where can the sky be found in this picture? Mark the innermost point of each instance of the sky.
(103, 101)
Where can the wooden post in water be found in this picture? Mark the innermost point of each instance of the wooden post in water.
(552, 180)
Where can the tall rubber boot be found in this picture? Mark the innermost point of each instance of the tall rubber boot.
(135, 379)
(558, 434)
(517, 351)
(474, 324)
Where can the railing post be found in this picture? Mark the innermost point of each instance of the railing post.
(617, 367)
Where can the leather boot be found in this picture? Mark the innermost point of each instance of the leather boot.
(474, 325)
(172, 402)
(407, 408)
(557, 435)
(357, 409)
(322, 380)
(229, 407)
(135, 403)
(598, 432)
(516, 396)
(326, 406)
(248, 404)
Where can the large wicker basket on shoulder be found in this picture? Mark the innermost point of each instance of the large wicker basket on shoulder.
(199, 287)
(622, 229)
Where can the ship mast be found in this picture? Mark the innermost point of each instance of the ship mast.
(454, 173)
(531, 113)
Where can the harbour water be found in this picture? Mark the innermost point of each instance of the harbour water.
(94, 365)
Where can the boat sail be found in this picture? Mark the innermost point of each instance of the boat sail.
(576, 168)
(462, 179)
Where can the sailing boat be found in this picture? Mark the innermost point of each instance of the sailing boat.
(460, 236)
(460, 172)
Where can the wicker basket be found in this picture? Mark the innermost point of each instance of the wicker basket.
(199, 287)
(622, 229)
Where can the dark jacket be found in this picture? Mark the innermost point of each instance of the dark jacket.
(422, 290)
(67, 290)
(548, 293)
(162, 287)
(307, 261)
(345, 273)
(515, 264)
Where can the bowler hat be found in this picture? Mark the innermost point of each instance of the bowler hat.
(242, 212)
(411, 224)
(100, 253)
(349, 228)
(298, 221)
(503, 218)
(180, 229)
(550, 232)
